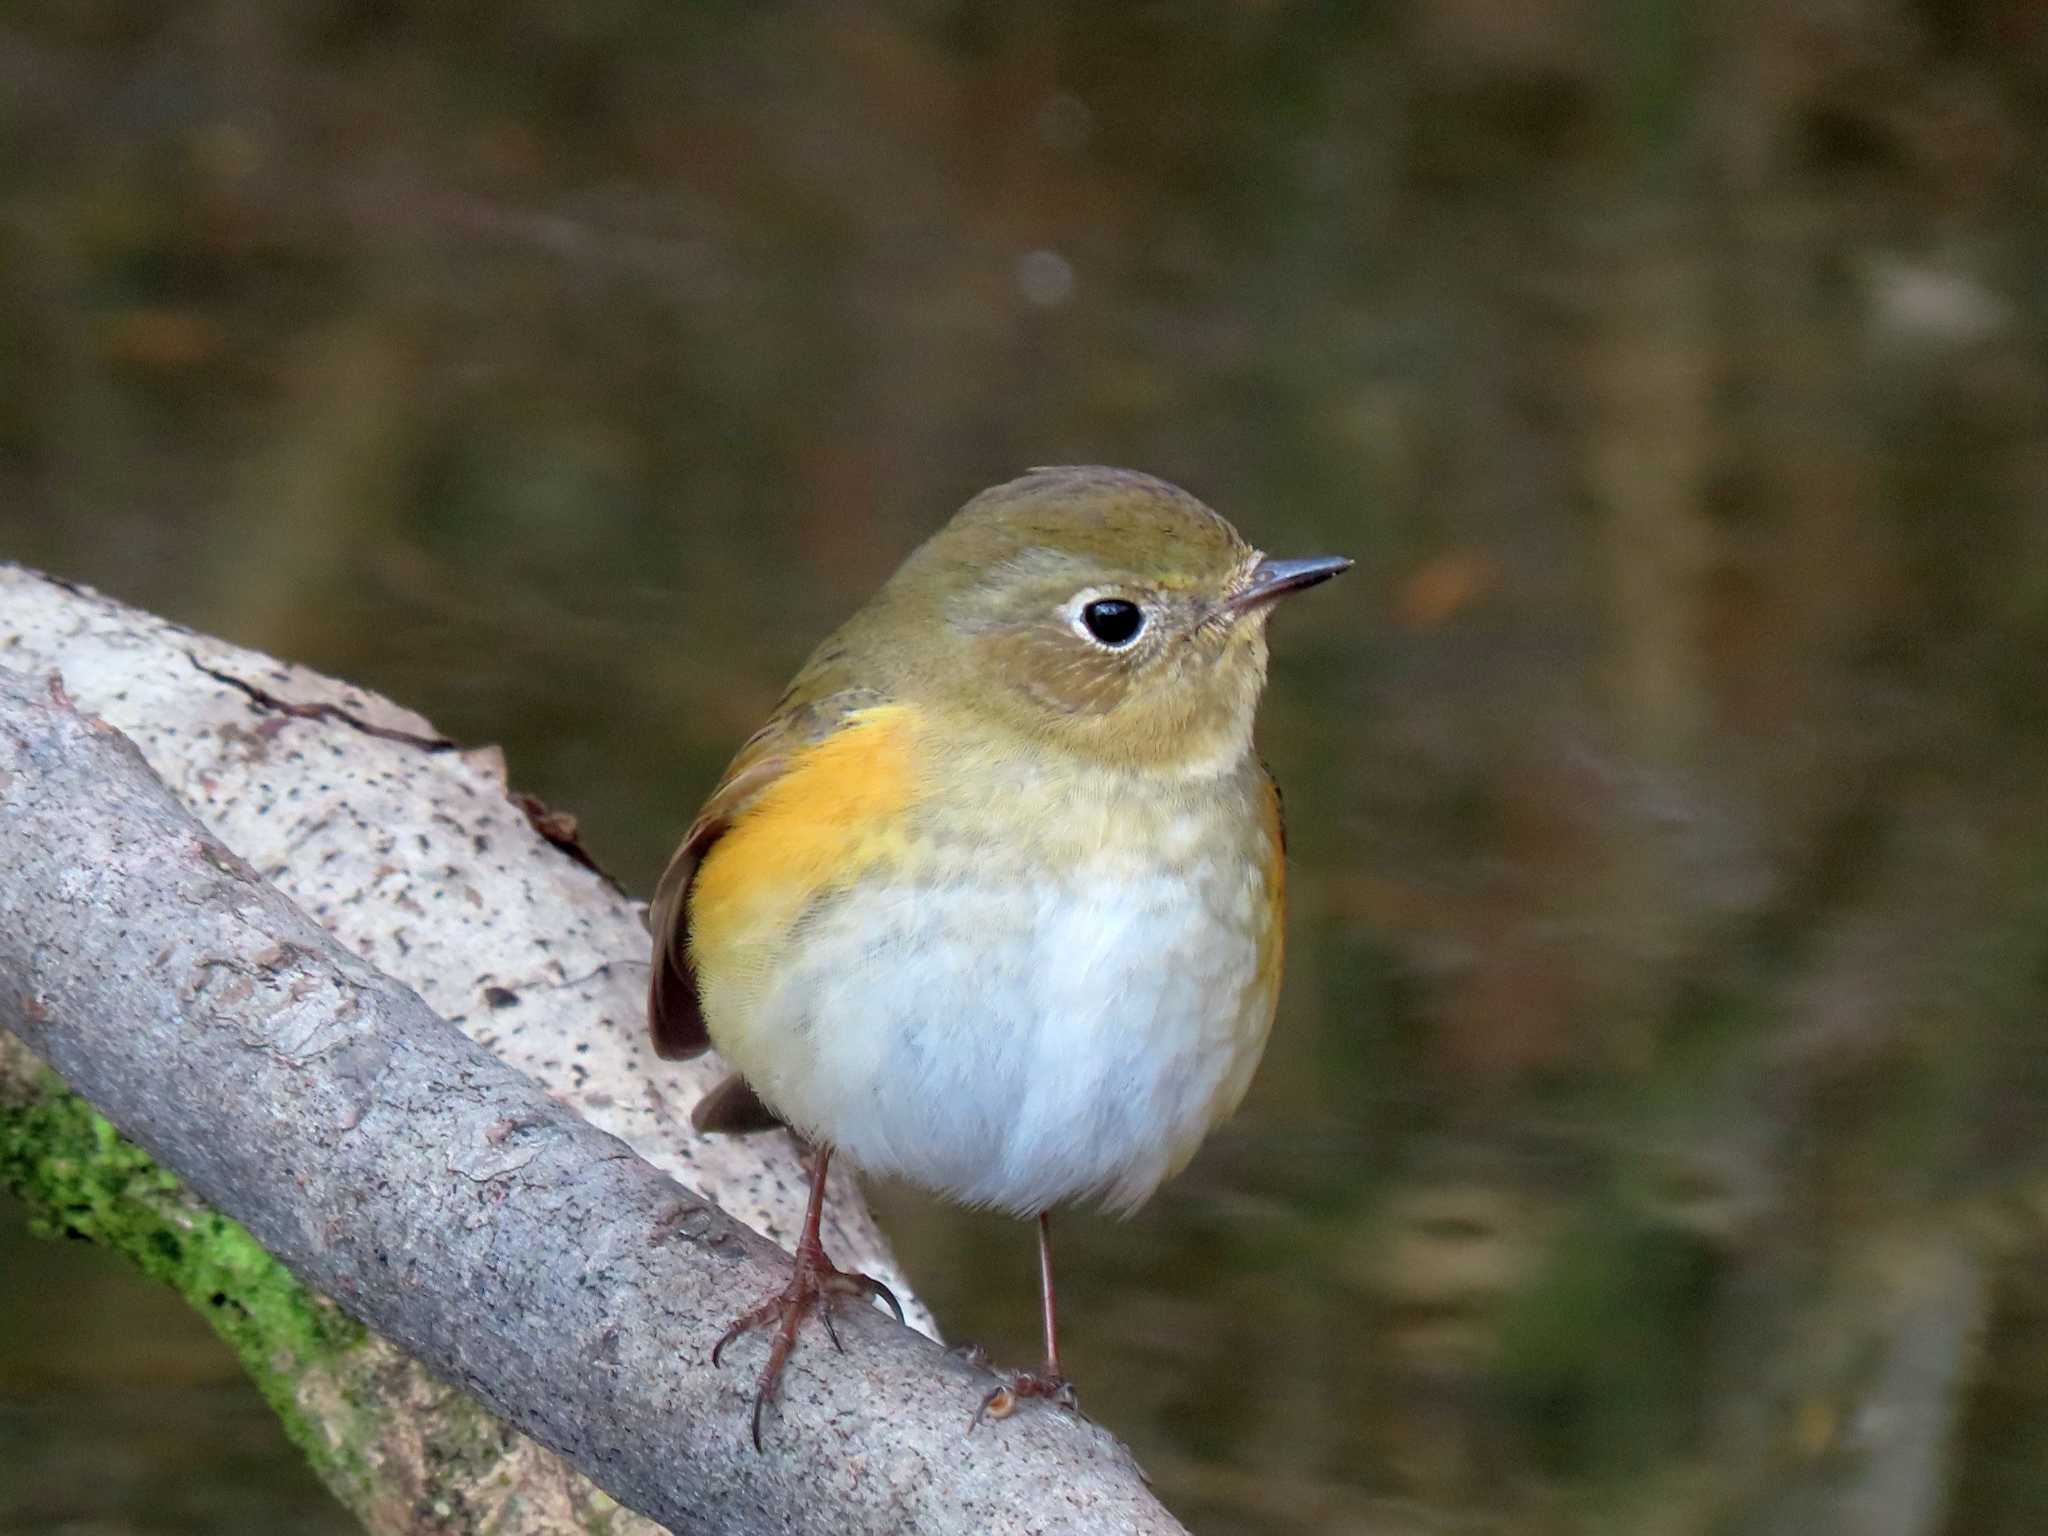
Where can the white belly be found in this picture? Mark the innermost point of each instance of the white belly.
(1021, 1047)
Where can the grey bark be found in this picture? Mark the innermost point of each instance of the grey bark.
(463, 1211)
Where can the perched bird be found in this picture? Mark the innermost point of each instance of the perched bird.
(993, 902)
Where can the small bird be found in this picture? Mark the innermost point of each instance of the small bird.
(993, 902)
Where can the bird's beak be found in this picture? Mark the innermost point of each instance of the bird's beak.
(1272, 579)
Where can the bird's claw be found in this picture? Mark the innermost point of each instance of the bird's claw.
(813, 1284)
(879, 1292)
(1045, 1383)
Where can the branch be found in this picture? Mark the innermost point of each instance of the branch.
(403, 1451)
(433, 1191)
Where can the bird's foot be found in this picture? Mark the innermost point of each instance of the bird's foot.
(814, 1283)
(1047, 1383)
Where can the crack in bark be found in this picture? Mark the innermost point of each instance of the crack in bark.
(263, 699)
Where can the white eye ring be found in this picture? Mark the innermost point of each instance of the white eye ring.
(1109, 622)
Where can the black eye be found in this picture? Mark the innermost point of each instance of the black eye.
(1113, 621)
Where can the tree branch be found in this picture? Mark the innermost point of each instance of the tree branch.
(403, 1451)
(513, 1246)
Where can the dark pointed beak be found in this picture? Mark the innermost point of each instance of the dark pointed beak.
(1276, 578)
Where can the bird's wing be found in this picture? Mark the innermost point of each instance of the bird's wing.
(1273, 937)
(1276, 810)
(675, 1016)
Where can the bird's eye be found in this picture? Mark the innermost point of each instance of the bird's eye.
(1113, 621)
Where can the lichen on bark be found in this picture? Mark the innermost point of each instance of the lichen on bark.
(399, 1449)
(80, 1178)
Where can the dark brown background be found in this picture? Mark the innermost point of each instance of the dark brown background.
(1661, 1075)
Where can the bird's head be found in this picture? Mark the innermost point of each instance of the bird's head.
(1096, 611)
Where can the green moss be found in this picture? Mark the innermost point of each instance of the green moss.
(81, 1178)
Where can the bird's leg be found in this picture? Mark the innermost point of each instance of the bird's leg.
(1048, 1381)
(814, 1282)
(1048, 1307)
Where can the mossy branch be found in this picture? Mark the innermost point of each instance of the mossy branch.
(396, 1447)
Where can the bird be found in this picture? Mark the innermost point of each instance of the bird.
(994, 901)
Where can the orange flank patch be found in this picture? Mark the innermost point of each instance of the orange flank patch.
(827, 817)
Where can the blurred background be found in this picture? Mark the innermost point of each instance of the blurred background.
(1653, 1136)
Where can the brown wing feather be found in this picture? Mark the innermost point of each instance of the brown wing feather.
(675, 1014)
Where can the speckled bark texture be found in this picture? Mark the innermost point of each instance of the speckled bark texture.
(288, 1062)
